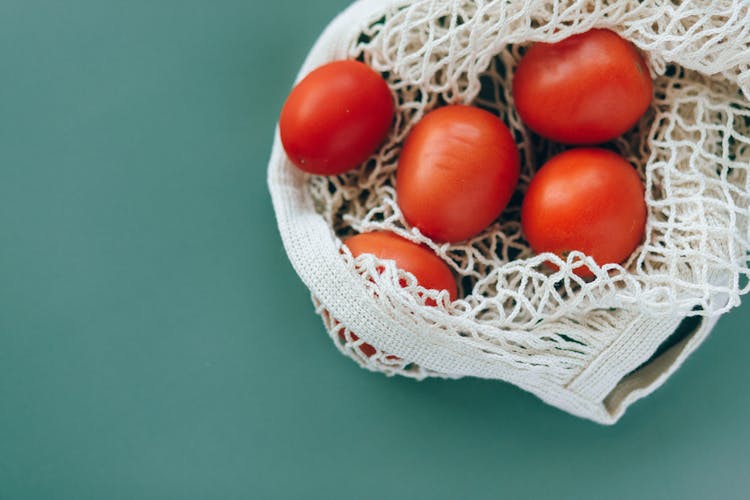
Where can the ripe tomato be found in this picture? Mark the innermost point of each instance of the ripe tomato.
(431, 272)
(335, 118)
(586, 199)
(457, 171)
(586, 89)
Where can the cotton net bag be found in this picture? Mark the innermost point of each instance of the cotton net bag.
(589, 347)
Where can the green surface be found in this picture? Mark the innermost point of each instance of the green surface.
(156, 343)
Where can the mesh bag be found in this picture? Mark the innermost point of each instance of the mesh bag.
(588, 347)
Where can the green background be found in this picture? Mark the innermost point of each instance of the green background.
(156, 343)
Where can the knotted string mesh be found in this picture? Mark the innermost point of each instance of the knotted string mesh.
(691, 149)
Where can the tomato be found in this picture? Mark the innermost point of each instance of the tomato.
(586, 89)
(429, 270)
(335, 118)
(458, 169)
(586, 199)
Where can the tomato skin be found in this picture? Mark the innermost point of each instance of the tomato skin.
(336, 117)
(586, 89)
(458, 169)
(431, 272)
(586, 199)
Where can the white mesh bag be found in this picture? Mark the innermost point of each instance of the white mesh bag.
(590, 347)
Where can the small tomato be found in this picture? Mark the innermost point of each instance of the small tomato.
(586, 199)
(335, 118)
(457, 172)
(586, 89)
(429, 270)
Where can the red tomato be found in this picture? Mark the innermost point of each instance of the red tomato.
(335, 118)
(586, 89)
(457, 171)
(586, 199)
(431, 272)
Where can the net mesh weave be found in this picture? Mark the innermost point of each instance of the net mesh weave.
(691, 148)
